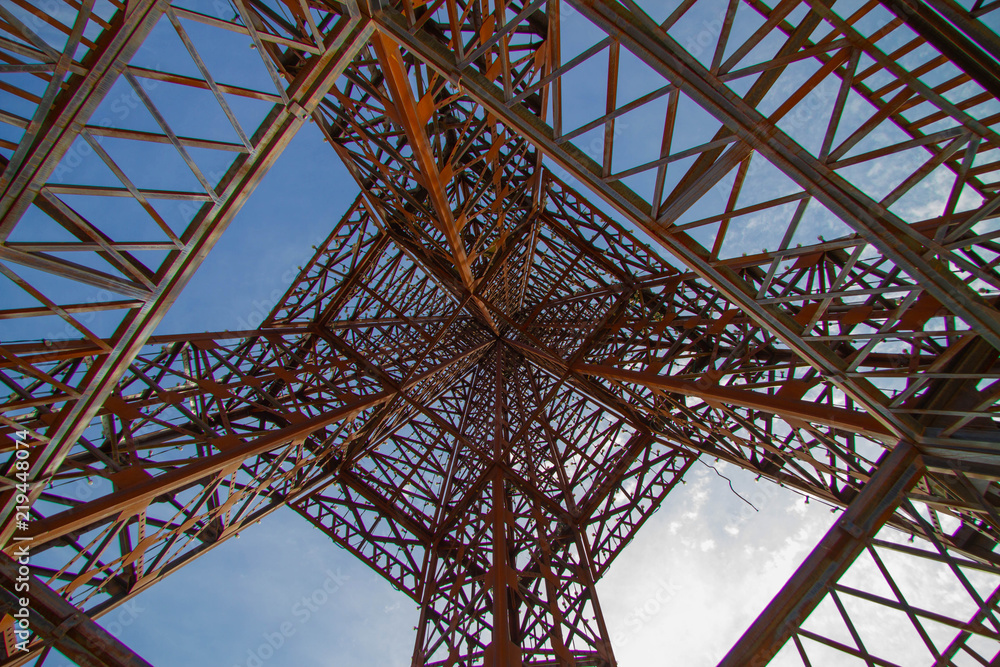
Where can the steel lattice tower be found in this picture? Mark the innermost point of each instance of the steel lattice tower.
(482, 384)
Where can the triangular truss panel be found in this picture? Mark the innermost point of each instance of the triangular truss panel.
(596, 241)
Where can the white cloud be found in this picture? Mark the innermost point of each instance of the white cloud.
(725, 560)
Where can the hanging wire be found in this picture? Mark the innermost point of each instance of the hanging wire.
(730, 485)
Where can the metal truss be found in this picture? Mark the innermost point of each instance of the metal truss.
(482, 384)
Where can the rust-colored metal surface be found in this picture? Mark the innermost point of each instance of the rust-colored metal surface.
(483, 384)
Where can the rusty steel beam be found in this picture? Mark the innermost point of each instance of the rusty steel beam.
(969, 24)
(873, 221)
(836, 551)
(413, 116)
(54, 129)
(413, 124)
(283, 122)
(478, 384)
(132, 499)
(57, 622)
(791, 409)
(961, 49)
(576, 162)
(501, 651)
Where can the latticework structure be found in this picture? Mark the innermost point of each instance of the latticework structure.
(482, 384)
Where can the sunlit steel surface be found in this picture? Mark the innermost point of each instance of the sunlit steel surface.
(482, 384)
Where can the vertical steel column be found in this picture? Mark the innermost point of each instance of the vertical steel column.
(502, 650)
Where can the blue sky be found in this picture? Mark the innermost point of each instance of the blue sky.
(281, 594)
(294, 208)
(223, 608)
(697, 574)
(242, 602)
(717, 562)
